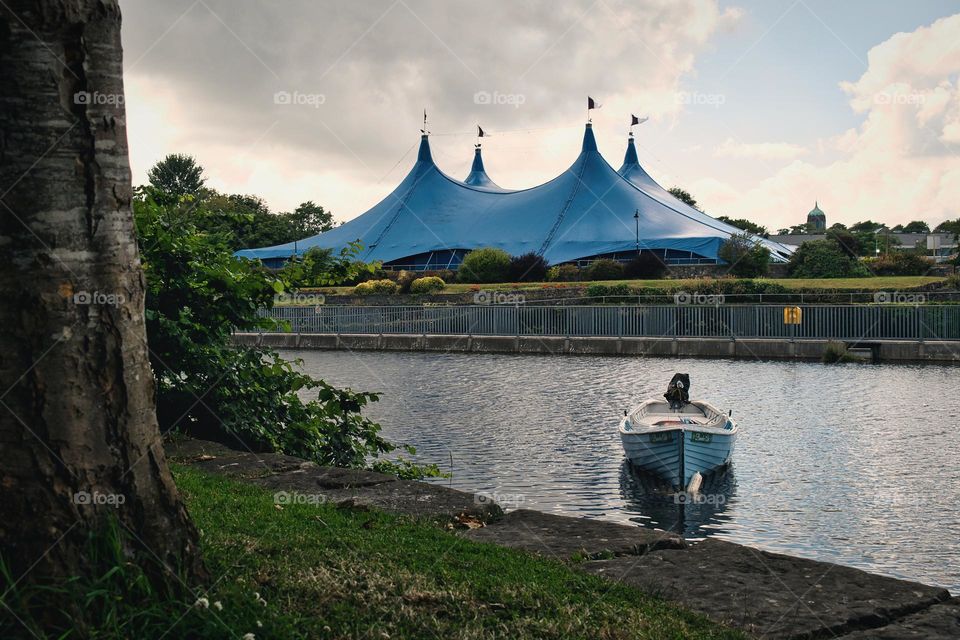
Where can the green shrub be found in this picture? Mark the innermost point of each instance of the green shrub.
(646, 266)
(563, 273)
(747, 257)
(604, 269)
(429, 284)
(527, 268)
(952, 282)
(602, 290)
(376, 287)
(403, 279)
(197, 294)
(484, 265)
(824, 259)
(899, 263)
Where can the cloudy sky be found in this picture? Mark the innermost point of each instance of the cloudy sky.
(757, 107)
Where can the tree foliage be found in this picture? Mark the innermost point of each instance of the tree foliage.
(197, 293)
(745, 225)
(484, 266)
(824, 259)
(527, 268)
(684, 196)
(746, 257)
(646, 266)
(176, 176)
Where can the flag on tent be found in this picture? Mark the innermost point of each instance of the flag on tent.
(480, 132)
(635, 120)
(592, 104)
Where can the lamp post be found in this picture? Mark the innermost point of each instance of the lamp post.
(636, 218)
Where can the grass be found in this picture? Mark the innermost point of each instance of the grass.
(879, 283)
(319, 571)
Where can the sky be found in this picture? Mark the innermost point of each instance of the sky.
(758, 108)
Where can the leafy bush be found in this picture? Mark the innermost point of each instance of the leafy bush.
(564, 273)
(197, 293)
(527, 268)
(604, 269)
(484, 265)
(376, 287)
(952, 282)
(321, 268)
(646, 266)
(403, 279)
(824, 259)
(747, 257)
(899, 263)
(430, 284)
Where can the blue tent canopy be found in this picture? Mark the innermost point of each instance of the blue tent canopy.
(431, 220)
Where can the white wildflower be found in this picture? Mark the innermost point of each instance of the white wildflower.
(248, 636)
(218, 605)
(203, 603)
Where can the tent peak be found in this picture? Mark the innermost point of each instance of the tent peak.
(631, 156)
(424, 154)
(589, 141)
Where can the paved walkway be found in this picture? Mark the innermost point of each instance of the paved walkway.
(764, 594)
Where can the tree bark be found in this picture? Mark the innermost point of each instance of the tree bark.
(79, 440)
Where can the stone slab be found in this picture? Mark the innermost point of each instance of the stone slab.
(564, 537)
(939, 622)
(767, 594)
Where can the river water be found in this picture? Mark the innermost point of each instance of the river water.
(852, 463)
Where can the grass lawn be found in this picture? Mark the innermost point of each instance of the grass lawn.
(331, 572)
(879, 283)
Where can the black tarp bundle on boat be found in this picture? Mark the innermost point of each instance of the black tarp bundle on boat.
(678, 391)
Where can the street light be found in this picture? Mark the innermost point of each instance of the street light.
(636, 218)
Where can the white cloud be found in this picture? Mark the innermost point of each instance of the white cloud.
(900, 164)
(761, 150)
(208, 89)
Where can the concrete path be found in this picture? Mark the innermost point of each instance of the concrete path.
(764, 594)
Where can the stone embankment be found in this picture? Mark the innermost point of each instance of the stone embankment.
(751, 348)
(763, 594)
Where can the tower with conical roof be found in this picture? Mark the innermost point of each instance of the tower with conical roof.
(816, 219)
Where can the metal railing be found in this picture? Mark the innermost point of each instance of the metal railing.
(841, 322)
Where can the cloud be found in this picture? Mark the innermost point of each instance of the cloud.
(900, 164)
(331, 94)
(761, 150)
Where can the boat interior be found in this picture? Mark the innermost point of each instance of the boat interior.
(660, 414)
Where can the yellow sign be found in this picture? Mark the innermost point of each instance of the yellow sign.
(792, 315)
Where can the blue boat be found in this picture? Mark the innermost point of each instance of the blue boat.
(677, 439)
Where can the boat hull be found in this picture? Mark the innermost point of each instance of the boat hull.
(676, 454)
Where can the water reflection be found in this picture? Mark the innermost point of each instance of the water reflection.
(653, 504)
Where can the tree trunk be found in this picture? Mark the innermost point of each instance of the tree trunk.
(79, 440)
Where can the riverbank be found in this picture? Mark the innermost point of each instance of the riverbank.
(751, 348)
(331, 566)
(517, 595)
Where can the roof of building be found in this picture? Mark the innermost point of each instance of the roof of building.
(588, 210)
(816, 212)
